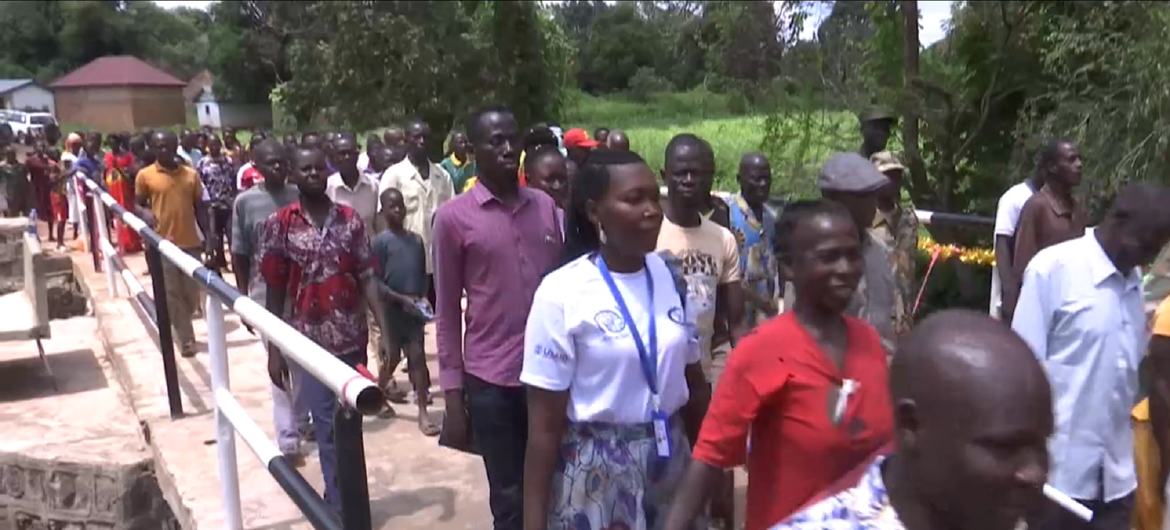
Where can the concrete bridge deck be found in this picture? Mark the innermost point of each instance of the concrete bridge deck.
(414, 484)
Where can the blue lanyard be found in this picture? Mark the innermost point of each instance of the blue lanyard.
(649, 359)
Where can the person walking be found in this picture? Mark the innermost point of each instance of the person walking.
(250, 210)
(1081, 312)
(1052, 215)
(853, 181)
(69, 159)
(351, 186)
(896, 226)
(547, 172)
(216, 172)
(753, 223)
(702, 252)
(1152, 419)
(1007, 217)
(424, 185)
(986, 472)
(16, 188)
(610, 364)
(814, 408)
(169, 194)
(119, 162)
(400, 265)
(459, 164)
(495, 243)
(37, 163)
(315, 260)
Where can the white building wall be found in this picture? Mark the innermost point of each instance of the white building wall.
(208, 113)
(34, 97)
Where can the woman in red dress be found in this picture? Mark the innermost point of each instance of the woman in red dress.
(120, 182)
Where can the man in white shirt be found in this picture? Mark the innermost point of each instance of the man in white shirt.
(1007, 215)
(1080, 310)
(351, 187)
(424, 186)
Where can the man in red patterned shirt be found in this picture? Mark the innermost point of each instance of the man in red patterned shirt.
(315, 259)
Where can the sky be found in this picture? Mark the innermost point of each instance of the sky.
(935, 15)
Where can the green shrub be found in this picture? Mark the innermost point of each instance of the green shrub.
(645, 82)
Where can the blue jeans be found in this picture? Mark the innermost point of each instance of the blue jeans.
(321, 403)
(499, 425)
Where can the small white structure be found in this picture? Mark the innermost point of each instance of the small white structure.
(26, 95)
(219, 114)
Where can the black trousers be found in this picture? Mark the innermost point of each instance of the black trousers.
(1112, 515)
(499, 425)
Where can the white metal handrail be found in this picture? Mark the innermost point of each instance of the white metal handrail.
(353, 390)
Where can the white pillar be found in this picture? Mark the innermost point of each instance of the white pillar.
(225, 436)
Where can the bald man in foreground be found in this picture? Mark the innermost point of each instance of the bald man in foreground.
(972, 415)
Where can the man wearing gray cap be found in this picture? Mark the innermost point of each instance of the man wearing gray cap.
(852, 180)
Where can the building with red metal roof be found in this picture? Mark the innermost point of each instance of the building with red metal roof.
(119, 93)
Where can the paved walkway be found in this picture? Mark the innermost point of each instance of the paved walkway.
(414, 484)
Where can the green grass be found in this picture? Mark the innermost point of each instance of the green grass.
(661, 109)
(802, 139)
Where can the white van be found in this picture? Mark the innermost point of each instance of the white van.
(27, 122)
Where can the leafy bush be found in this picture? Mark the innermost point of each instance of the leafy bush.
(646, 82)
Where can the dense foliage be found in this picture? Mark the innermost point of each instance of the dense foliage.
(44, 40)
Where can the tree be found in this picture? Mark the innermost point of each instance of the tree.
(435, 60)
(532, 55)
(746, 40)
(246, 54)
(620, 42)
(1103, 76)
(176, 41)
(44, 40)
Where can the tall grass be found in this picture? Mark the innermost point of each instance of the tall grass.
(796, 142)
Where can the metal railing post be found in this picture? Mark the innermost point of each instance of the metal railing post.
(352, 483)
(104, 244)
(79, 189)
(225, 434)
(162, 318)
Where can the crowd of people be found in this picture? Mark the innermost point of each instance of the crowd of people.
(612, 353)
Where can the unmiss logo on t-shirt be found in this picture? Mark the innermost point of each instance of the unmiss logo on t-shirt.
(609, 321)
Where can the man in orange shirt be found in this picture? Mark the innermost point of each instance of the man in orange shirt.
(1150, 499)
(168, 194)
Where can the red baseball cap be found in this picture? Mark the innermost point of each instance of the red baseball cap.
(579, 138)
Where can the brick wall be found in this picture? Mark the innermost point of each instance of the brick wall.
(52, 495)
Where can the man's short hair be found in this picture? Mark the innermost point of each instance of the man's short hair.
(475, 130)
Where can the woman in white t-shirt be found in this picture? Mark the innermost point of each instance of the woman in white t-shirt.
(611, 363)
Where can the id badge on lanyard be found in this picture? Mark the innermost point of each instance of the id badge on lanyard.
(647, 357)
(661, 430)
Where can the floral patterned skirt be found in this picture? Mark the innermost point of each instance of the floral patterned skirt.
(610, 477)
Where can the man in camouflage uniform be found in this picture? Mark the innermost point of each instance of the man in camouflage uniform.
(896, 225)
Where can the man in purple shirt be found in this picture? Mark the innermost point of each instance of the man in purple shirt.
(493, 243)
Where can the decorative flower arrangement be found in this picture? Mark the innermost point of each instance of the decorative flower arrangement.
(976, 256)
